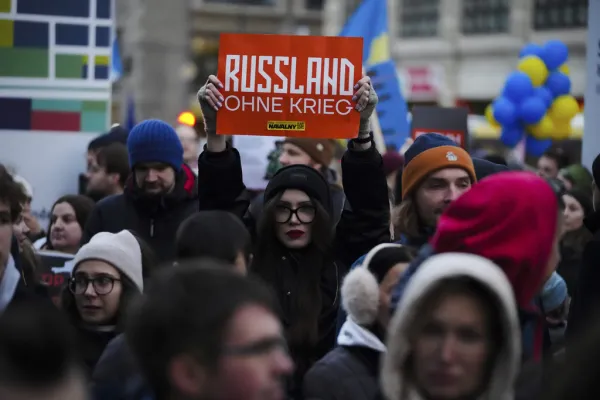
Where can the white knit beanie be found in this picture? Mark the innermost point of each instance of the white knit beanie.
(121, 250)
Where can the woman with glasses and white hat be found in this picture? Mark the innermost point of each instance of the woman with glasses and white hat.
(107, 274)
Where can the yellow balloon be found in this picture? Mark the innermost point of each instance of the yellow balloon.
(535, 69)
(562, 131)
(543, 129)
(563, 108)
(564, 69)
(489, 115)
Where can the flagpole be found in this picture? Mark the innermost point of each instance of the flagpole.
(377, 134)
(590, 143)
(376, 127)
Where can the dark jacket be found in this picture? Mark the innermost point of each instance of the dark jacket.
(28, 288)
(569, 266)
(586, 302)
(154, 219)
(363, 225)
(345, 373)
(91, 345)
(116, 375)
(351, 370)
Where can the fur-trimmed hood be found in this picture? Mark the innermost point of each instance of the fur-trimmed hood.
(434, 269)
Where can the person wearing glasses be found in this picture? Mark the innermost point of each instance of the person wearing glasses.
(107, 275)
(205, 331)
(298, 248)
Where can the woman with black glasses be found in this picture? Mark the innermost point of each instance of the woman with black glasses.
(107, 274)
(298, 249)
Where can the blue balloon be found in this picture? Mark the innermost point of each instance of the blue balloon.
(536, 147)
(545, 94)
(558, 83)
(511, 135)
(531, 49)
(505, 111)
(518, 87)
(555, 53)
(532, 110)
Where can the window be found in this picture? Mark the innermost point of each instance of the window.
(205, 52)
(419, 18)
(244, 2)
(560, 14)
(314, 4)
(485, 16)
(351, 7)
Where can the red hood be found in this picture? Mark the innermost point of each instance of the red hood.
(509, 218)
(190, 179)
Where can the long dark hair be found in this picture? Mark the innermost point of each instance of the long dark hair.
(312, 260)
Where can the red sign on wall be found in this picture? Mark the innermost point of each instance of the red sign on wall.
(422, 83)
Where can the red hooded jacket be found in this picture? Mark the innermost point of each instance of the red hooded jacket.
(509, 218)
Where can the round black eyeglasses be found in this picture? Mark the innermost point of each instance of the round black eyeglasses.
(304, 214)
(102, 284)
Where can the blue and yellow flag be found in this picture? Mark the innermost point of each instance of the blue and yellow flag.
(370, 22)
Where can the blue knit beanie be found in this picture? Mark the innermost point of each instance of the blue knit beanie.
(154, 141)
(425, 142)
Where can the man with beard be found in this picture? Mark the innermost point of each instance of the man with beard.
(159, 194)
(436, 172)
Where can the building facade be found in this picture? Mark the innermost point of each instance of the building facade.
(448, 52)
(461, 51)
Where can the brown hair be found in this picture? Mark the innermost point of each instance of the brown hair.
(406, 219)
(11, 193)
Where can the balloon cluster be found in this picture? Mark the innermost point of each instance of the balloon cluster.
(535, 102)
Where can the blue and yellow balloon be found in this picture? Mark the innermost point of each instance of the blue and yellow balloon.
(535, 102)
(535, 69)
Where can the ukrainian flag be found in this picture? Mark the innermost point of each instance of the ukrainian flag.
(370, 22)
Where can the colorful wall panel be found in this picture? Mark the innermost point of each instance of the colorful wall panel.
(55, 90)
(55, 65)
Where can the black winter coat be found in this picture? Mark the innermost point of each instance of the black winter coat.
(363, 225)
(155, 220)
(345, 373)
(586, 302)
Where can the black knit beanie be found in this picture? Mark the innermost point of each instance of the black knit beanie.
(304, 178)
(386, 258)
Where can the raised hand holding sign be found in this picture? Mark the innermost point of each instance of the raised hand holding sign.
(276, 85)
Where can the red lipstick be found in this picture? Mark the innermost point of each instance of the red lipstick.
(295, 234)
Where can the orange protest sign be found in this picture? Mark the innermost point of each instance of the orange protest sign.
(280, 85)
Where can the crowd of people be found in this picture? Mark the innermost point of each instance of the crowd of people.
(420, 274)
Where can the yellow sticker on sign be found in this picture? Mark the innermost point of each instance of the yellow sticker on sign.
(286, 125)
